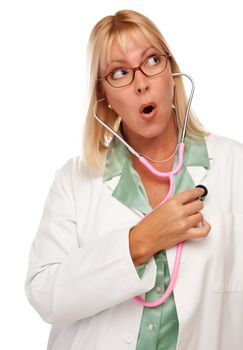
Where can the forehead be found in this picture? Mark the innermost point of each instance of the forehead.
(129, 44)
(126, 45)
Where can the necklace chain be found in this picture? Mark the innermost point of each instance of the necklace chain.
(163, 160)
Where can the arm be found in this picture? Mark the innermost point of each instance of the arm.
(67, 281)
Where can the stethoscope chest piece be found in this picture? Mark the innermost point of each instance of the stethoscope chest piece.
(202, 197)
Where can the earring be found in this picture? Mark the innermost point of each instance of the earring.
(109, 106)
(107, 140)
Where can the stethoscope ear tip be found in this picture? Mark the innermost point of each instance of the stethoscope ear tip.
(202, 197)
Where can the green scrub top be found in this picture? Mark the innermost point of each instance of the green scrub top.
(159, 326)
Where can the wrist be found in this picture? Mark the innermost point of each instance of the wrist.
(139, 247)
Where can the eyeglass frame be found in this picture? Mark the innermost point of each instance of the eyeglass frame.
(134, 69)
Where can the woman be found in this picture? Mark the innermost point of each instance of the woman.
(104, 238)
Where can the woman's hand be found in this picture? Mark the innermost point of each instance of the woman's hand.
(176, 220)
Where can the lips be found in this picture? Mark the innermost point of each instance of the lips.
(147, 108)
(148, 111)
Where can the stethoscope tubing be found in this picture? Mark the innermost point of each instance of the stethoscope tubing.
(170, 175)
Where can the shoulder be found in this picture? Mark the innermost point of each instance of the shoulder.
(222, 146)
(74, 171)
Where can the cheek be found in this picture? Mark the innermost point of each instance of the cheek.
(118, 101)
(109, 94)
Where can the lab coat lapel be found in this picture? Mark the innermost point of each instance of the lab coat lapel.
(197, 173)
(112, 183)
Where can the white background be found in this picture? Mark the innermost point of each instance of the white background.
(42, 103)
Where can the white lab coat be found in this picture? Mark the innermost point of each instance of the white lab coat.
(81, 277)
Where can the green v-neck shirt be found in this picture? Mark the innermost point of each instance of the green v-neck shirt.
(159, 326)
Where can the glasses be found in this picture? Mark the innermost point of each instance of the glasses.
(153, 65)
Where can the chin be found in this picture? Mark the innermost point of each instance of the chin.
(149, 131)
(153, 132)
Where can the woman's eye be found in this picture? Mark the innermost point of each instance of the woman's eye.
(118, 73)
(153, 60)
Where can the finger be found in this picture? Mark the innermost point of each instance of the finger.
(189, 195)
(193, 207)
(201, 231)
(194, 220)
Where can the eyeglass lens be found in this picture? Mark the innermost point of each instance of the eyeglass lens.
(153, 65)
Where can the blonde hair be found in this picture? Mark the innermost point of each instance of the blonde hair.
(100, 41)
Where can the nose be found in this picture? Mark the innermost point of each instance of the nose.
(141, 82)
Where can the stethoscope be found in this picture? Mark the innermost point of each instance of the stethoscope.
(170, 175)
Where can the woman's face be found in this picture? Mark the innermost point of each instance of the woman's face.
(128, 101)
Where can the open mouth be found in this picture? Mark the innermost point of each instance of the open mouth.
(148, 109)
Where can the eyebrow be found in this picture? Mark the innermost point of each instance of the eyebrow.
(125, 61)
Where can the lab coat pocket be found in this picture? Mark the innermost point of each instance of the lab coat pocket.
(228, 260)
